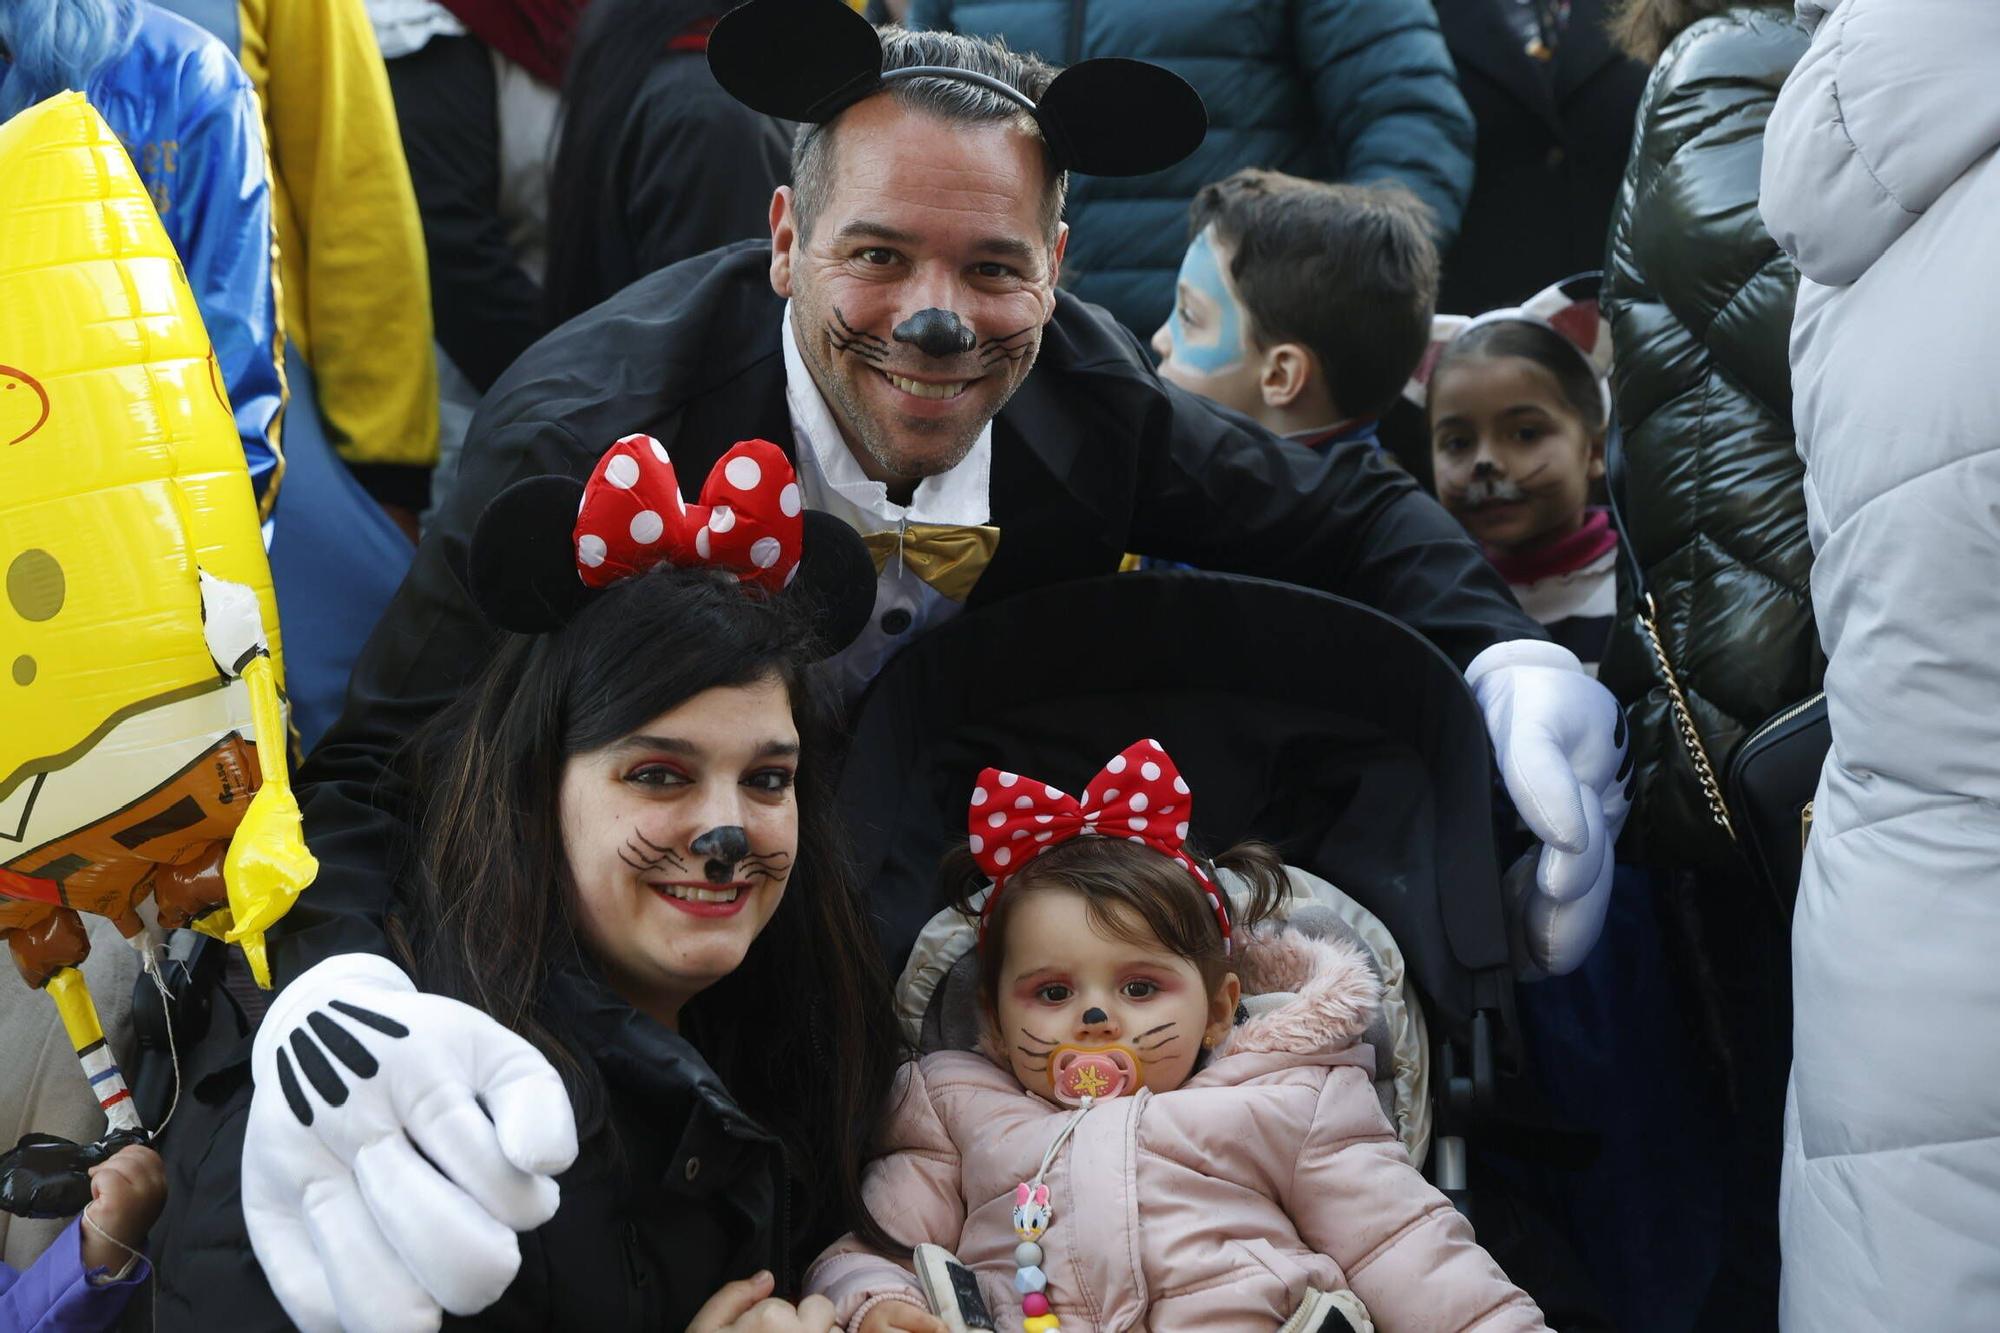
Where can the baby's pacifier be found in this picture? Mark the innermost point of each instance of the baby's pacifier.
(1097, 1072)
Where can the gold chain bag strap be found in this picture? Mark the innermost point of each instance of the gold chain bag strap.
(1648, 615)
(1684, 718)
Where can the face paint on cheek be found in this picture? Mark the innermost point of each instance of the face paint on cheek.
(846, 338)
(770, 867)
(643, 854)
(1012, 347)
(1213, 354)
(1036, 1048)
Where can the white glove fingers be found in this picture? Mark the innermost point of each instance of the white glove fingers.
(532, 1116)
(1545, 789)
(284, 1249)
(372, 1287)
(1566, 876)
(455, 1250)
(451, 1130)
(1560, 936)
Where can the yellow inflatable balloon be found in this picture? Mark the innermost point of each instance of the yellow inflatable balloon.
(142, 742)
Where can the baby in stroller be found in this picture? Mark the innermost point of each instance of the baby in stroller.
(1133, 1146)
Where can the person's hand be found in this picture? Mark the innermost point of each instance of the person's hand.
(901, 1317)
(1561, 741)
(127, 1192)
(747, 1306)
(397, 1142)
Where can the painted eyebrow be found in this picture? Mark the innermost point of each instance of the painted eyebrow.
(1055, 974)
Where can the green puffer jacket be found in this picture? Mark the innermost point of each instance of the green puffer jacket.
(1337, 90)
(1700, 301)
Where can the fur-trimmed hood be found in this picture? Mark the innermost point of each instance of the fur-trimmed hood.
(1305, 994)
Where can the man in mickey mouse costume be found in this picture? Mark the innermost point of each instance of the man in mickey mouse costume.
(901, 335)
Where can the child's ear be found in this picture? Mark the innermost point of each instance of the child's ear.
(1222, 1010)
(1596, 469)
(1288, 370)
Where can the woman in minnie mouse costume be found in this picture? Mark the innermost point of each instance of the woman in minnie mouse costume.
(902, 341)
(627, 860)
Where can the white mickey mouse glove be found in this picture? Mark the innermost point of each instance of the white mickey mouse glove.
(396, 1143)
(1561, 741)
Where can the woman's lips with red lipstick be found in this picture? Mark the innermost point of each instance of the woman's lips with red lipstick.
(698, 898)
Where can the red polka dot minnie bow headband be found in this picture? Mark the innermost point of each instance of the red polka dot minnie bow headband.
(1139, 796)
(546, 546)
(748, 520)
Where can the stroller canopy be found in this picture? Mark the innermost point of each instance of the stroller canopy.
(1316, 724)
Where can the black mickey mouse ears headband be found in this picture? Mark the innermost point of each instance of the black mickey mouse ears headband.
(546, 547)
(809, 60)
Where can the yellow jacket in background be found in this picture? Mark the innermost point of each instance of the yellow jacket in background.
(356, 287)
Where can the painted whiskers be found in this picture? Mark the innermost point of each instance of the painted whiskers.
(1012, 347)
(642, 854)
(870, 347)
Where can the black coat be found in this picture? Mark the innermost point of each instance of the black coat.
(679, 1192)
(1551, 151)
(1093, 457)
(690, 168)
(1700, 299)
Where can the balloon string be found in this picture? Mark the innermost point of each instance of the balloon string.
(91, 1222)
(149, 959)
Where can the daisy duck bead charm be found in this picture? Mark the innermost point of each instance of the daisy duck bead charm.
(1031, 1219)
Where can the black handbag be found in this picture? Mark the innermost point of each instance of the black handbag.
(1772, 775)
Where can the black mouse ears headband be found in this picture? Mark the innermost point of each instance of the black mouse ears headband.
(809, 60)
(546, 547)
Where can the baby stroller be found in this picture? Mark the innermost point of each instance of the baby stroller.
(1316, 724)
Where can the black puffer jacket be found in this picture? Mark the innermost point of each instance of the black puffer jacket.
(1700, 299)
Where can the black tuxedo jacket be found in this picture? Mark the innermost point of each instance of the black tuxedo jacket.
(1093, 457)
(1551, 152)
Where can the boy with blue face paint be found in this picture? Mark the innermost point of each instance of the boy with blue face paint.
(1302, 305)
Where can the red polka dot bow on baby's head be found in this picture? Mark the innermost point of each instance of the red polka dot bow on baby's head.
(747, 522)
(1139, 796)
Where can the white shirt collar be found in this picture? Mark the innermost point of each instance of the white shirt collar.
(833, 479)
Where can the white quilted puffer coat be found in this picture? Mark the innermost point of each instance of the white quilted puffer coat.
(1882, 181)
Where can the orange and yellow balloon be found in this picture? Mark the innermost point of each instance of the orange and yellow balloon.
(142, 733)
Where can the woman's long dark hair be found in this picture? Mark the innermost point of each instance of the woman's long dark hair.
(803, 1033)
(617, 46)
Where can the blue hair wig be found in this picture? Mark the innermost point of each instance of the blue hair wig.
(54, 45)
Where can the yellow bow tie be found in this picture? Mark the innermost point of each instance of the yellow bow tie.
(948, 557)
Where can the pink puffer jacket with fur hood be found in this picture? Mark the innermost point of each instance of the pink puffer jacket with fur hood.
(1212, 1207)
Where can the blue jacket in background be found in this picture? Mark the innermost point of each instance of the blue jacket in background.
(1346, 90)
(185, 111)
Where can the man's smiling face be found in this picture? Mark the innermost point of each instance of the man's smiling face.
(923, 214)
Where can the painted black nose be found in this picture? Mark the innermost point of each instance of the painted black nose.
(722, 848)
(935, 332)
(1093, 1017)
